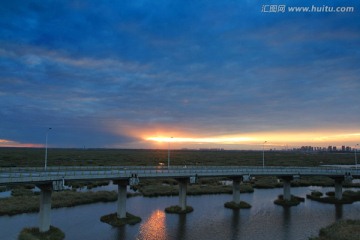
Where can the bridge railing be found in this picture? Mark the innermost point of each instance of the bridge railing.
(14, 175)
(159, 169)
(61, 168)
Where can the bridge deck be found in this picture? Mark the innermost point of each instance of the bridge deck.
(38, 175)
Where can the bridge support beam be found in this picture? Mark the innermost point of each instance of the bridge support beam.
(236, 190)
(287, 187)
(182, 192)
(338, 188)
(45, 207)
(121, 201)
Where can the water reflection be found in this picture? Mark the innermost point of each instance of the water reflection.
(154, 227)
(121, 232)
(287, 222)
(338, 211)
(287, 215)
(181, 229)
(210, 220)
(235, 224)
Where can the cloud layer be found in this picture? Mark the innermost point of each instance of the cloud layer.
(110, 74)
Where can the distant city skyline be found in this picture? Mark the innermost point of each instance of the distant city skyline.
(211, 74)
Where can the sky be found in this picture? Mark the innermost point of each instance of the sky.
(226, 74)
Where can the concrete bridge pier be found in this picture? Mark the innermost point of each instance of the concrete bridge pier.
(338, 188)
(121, 201)
(45, 207)
(182, 192)
(236, 190)
(287, 187)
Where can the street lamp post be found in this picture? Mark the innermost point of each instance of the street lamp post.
(169, 153)
(46, 141)
(264, 154)
(355, 156)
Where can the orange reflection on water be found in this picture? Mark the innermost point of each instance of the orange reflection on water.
(154, 227)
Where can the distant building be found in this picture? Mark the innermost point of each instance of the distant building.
(307, 148)
(211, 149)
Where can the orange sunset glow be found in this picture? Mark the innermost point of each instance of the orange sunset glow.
(275, 139)
(9, 143)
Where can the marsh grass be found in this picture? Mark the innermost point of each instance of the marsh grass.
(33, 157)
(341, 230)
(348, 197)
(21, 192)
(113, 220)
(233, 205)
(178, 210)
(266, 182)
(34, 234)
(155, 188)
(26, 204)
(316, 194)
(87, 184)
(355, 195)
(294, 201)
(306, 181)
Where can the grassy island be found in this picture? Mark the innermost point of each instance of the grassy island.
(348, 197)
(178, 210)
(233, 205)
(34, 234)
(341, 230)
(113, 220)
(294, 201)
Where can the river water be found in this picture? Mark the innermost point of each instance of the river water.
(209, 220)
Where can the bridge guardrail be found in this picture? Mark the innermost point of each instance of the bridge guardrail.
(110, 172)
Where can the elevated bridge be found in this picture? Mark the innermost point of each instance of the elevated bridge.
(39, 175)
(53, 178)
